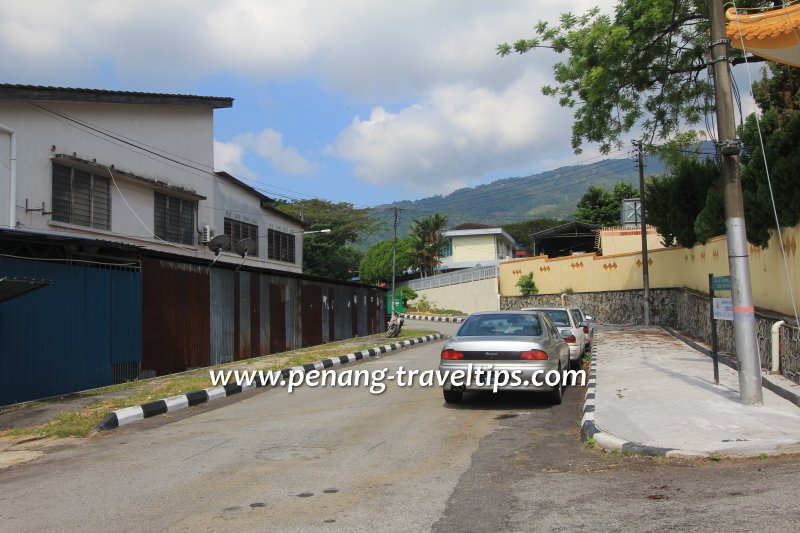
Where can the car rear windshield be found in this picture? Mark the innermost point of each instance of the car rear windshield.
(576, 315)
(558, 316)
(503, 325)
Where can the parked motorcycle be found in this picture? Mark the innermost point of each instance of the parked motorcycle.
(395, 325)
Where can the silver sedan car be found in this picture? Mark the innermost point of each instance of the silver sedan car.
(505, 350)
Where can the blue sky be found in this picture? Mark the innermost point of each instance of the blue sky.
(365, 101)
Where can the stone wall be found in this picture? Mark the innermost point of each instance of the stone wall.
(684, 310)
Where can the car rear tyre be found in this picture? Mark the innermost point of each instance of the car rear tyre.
(452, 396)
(557, 394)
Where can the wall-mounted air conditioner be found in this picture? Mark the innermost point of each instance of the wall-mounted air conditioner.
(208, 234)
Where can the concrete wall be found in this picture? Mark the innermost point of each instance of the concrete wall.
(685, 310)
(669, 268)
(468, 297)
(626, 240)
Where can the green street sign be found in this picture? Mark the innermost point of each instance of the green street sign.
(721, 283)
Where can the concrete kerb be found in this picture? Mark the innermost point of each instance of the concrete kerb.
(609, 442)
(433, 318)
(128, 415)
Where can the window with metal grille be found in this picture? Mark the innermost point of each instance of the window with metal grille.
(238, 230)
(80, 197)
(174, 218)
(280, 246)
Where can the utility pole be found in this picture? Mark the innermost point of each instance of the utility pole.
(643, 222)
(394, 255)
(744, 325)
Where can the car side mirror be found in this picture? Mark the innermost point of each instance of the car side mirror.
(583, 324)
(589, 318)
(565, 333)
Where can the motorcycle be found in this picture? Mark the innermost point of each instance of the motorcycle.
(395, 325)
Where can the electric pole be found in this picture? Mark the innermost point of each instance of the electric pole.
(744, 325)
(643, 222)
(394, 255)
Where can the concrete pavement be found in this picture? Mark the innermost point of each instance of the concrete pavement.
(654, 394)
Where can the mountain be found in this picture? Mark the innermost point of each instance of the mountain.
(550, 194)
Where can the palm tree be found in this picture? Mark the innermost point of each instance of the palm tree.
(428, 242)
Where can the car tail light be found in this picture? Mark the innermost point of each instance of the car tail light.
(534, 355)
(570, 340)
(452, 354)
(586, 329)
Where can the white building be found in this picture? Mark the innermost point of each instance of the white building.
(472, 245)
(131, 167)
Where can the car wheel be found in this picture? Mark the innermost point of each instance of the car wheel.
(556, 395)
(452, 396)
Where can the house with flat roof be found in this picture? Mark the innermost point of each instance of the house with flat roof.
(471, 245)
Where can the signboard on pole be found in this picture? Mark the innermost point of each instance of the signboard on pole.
(721, 283)
(723, 309)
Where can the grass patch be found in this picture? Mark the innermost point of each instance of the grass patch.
(590, 443)
(715, 457)
(82, 421)
(763, 456)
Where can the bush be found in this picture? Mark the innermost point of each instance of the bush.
(526, 285)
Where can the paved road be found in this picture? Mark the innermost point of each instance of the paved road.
(347, 460)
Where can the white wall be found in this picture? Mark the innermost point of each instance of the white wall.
(239, 204)
(468, 297)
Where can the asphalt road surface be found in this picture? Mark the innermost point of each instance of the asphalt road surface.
(343, 459)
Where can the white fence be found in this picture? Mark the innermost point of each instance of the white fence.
(462, 276)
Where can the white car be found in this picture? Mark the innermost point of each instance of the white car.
(563, 318)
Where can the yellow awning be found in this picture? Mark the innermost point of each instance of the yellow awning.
(774, 35)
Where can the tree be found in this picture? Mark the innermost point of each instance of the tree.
(428, 242)
(377, 263)
(675, 201)
(602, 207)
(778, 96)
(640, 68)
(329, 254)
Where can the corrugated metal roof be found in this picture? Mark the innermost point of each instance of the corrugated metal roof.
(10, 91)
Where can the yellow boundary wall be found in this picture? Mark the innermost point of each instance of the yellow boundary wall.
(669, 267)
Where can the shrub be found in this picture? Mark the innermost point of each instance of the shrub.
(526, 285)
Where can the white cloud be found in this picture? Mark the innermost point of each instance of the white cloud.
(229, 157)
(457, 137)
(367, 48)
(269, 144)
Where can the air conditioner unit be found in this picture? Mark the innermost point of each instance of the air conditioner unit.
(208, 234)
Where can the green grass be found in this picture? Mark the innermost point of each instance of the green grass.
(763, 456)
(715, 457)
(82, 421)
(590, 443)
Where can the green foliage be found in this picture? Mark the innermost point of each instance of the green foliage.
(522, 231)
(428, 242)
(330, 255)
(602, 207)
(778, 96)
(526, 285)
(377, 263)
(407, 294)
(674, 202)
(639, 68)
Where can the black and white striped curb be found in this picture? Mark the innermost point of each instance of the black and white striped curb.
(436, 318)
(123, 417)
(607, 441)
